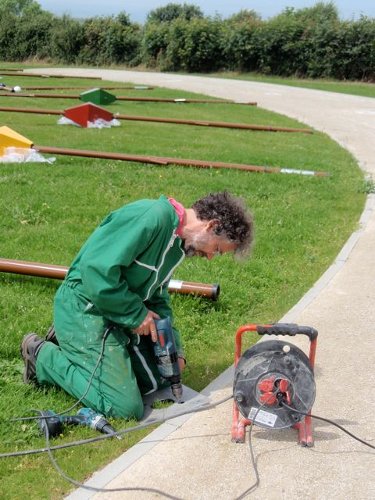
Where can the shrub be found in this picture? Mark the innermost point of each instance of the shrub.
(154, 44)
(26, 34)
(66, 39)
(194, 45)
(238, 44)
(8, 49)
(355, 54)
(173, 11)
(109, 40)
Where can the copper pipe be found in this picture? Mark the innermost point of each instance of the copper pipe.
(38, 111)
(199, 123)
(41, 75)
(33, 269)
(129, 98)
(178, 100)
(46, 96)
(164, 160)
(134, 87)
(207, 123)
(58, 272)
(158, 160)
(210, 291)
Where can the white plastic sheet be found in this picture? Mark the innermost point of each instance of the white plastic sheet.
(99, 123)
(24, 155)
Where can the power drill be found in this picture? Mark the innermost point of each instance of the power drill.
(166, 356)
(85, 416)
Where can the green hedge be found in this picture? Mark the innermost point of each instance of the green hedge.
(311, 42)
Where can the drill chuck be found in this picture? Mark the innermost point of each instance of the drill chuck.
(96, 421)
(176, 389)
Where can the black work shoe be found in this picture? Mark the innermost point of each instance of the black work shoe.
(30, 347)
(51, 335)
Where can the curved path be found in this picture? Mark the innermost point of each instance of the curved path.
(195, 459)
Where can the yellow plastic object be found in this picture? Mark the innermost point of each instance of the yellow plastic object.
(10, 138)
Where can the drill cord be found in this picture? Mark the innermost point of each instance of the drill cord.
(92, 488)
(146, 424)
(137, 427)
(330, 422)
(50, 448)
(255, 485)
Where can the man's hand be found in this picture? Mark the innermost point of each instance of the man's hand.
(147, 327)
(181, 363)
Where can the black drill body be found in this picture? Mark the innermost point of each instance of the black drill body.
(85, 416)
(166, 356)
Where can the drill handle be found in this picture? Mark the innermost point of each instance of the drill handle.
(74, 420)
(49, 423)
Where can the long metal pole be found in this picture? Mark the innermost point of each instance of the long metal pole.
(133, 87)
(11, 69)
(178, 121)
(164, 160)
(58, 272)
(41, 75)
(38, 111)
(129, 98)
(206, 123)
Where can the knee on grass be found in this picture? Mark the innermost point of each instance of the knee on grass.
(127, 409)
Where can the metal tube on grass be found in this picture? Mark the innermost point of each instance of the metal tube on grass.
(166, 160)
(42, 270)
(177, 121)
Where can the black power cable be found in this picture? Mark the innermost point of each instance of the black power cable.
(92, 488)
(329, 422)
(49, 449)
(255, 485)
(144, 425)
(253, 461)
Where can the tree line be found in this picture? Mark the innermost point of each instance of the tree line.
(311, 42)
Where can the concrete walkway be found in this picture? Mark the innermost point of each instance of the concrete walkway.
(193, 458)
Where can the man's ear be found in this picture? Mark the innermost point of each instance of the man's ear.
(214, 225)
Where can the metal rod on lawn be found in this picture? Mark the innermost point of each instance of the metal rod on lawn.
(133, 87)
(206, 123)
(198, 123)
(41, 270)
(164, 161)
(41, 75)
(38, 111)
(129, 98)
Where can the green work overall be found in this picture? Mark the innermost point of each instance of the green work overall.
(120, 273)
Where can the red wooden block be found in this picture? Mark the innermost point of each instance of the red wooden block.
(88, 112)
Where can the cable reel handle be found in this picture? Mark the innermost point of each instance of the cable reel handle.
(290, 329)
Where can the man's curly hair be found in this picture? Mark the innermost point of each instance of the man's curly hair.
(235, 222)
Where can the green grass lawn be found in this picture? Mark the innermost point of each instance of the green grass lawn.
(47, 211)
